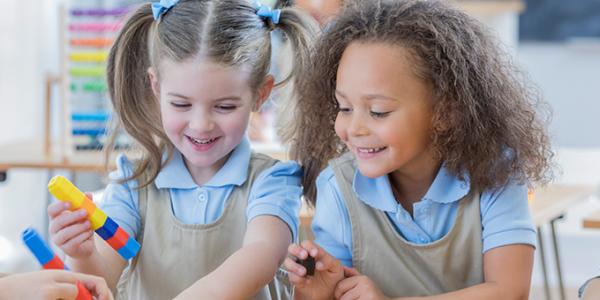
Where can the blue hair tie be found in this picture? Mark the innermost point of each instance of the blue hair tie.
(266, 12)
(160, 8)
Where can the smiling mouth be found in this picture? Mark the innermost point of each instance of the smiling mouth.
(202, 141)
(370, 150)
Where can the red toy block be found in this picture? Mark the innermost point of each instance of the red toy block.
(119, 239)
(55, 264)
(83, 293)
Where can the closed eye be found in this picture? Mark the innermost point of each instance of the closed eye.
(379, 114)
(226, 108)
(180, 105)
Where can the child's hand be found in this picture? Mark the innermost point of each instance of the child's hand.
(70, 230)
(357, 286)
(51, 284)
(328, 272)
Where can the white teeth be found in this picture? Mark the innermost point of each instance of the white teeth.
(204, 142)
(370, 150)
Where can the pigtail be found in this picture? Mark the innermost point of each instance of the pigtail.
(131, 95)
(299, 30)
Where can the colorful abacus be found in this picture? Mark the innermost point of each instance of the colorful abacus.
(48, 259)
(90, 27)
(104, 226)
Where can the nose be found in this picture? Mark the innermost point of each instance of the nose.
(357, 126)
(202, 122)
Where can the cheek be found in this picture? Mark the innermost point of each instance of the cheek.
(170, 121)
(340, 128)
(236, 123)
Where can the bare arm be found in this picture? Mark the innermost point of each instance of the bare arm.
(250, 268)
(104, 262)
(507, 272)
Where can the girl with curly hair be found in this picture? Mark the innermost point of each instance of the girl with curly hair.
(418, 139)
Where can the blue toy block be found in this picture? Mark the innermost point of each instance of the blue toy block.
(108, 229)
(130, 249)
(38, 247)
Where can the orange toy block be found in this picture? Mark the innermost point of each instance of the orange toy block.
(65, 191)
(88, 206)
(97, 219)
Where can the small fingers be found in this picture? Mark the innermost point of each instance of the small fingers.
(55, 208)
(67, 218)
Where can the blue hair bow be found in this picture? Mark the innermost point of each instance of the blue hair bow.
(160, 8)
(266, 12)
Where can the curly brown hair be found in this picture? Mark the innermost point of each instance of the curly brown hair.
(489, 123)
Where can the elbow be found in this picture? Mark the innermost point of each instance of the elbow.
(508, 291)
(515, 294)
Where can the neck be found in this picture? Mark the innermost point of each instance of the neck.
(205, 174)
(410, 185)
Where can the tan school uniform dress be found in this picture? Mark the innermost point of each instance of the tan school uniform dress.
(175, 255)
(401, 268)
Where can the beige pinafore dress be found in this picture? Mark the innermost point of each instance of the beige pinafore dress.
(401, 268)
(175, 255)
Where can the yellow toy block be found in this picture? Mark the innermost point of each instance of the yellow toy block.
(97, 219)
(65, 191)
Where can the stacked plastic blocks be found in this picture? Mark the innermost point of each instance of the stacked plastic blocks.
(109, 230)
(48, 259)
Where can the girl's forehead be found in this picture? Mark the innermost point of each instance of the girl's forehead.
(203, 77)
(200, 64)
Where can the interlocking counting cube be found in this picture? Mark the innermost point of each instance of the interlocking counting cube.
(48, 259)
(105, 227)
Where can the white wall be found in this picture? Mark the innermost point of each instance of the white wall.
(569, 76)
(28, 30)
(29, 41)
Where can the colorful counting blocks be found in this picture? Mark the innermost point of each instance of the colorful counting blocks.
(48, 259)
(104, 226)
(41, 251)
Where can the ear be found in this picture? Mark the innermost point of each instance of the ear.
(264, 91)
(154, 82)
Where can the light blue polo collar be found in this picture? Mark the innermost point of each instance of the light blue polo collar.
(175, 174)
(377, 192)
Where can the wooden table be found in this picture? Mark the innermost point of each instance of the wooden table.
(549, 204)
(31, 155)
(592, 221)
(552, 201)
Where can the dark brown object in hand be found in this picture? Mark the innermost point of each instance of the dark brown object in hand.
(309, 264)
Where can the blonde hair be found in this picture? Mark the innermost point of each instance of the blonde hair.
(228, 32)
(488, 122)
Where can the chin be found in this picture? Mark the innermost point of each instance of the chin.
(371, 171)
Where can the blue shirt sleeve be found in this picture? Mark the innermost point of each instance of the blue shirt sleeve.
(120, 200)
(505, 217)
(277, 191)
(331, 222)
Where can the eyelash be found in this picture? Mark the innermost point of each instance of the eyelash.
(177, 105)
(372, 113)
(379, 114)
(220, 107)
